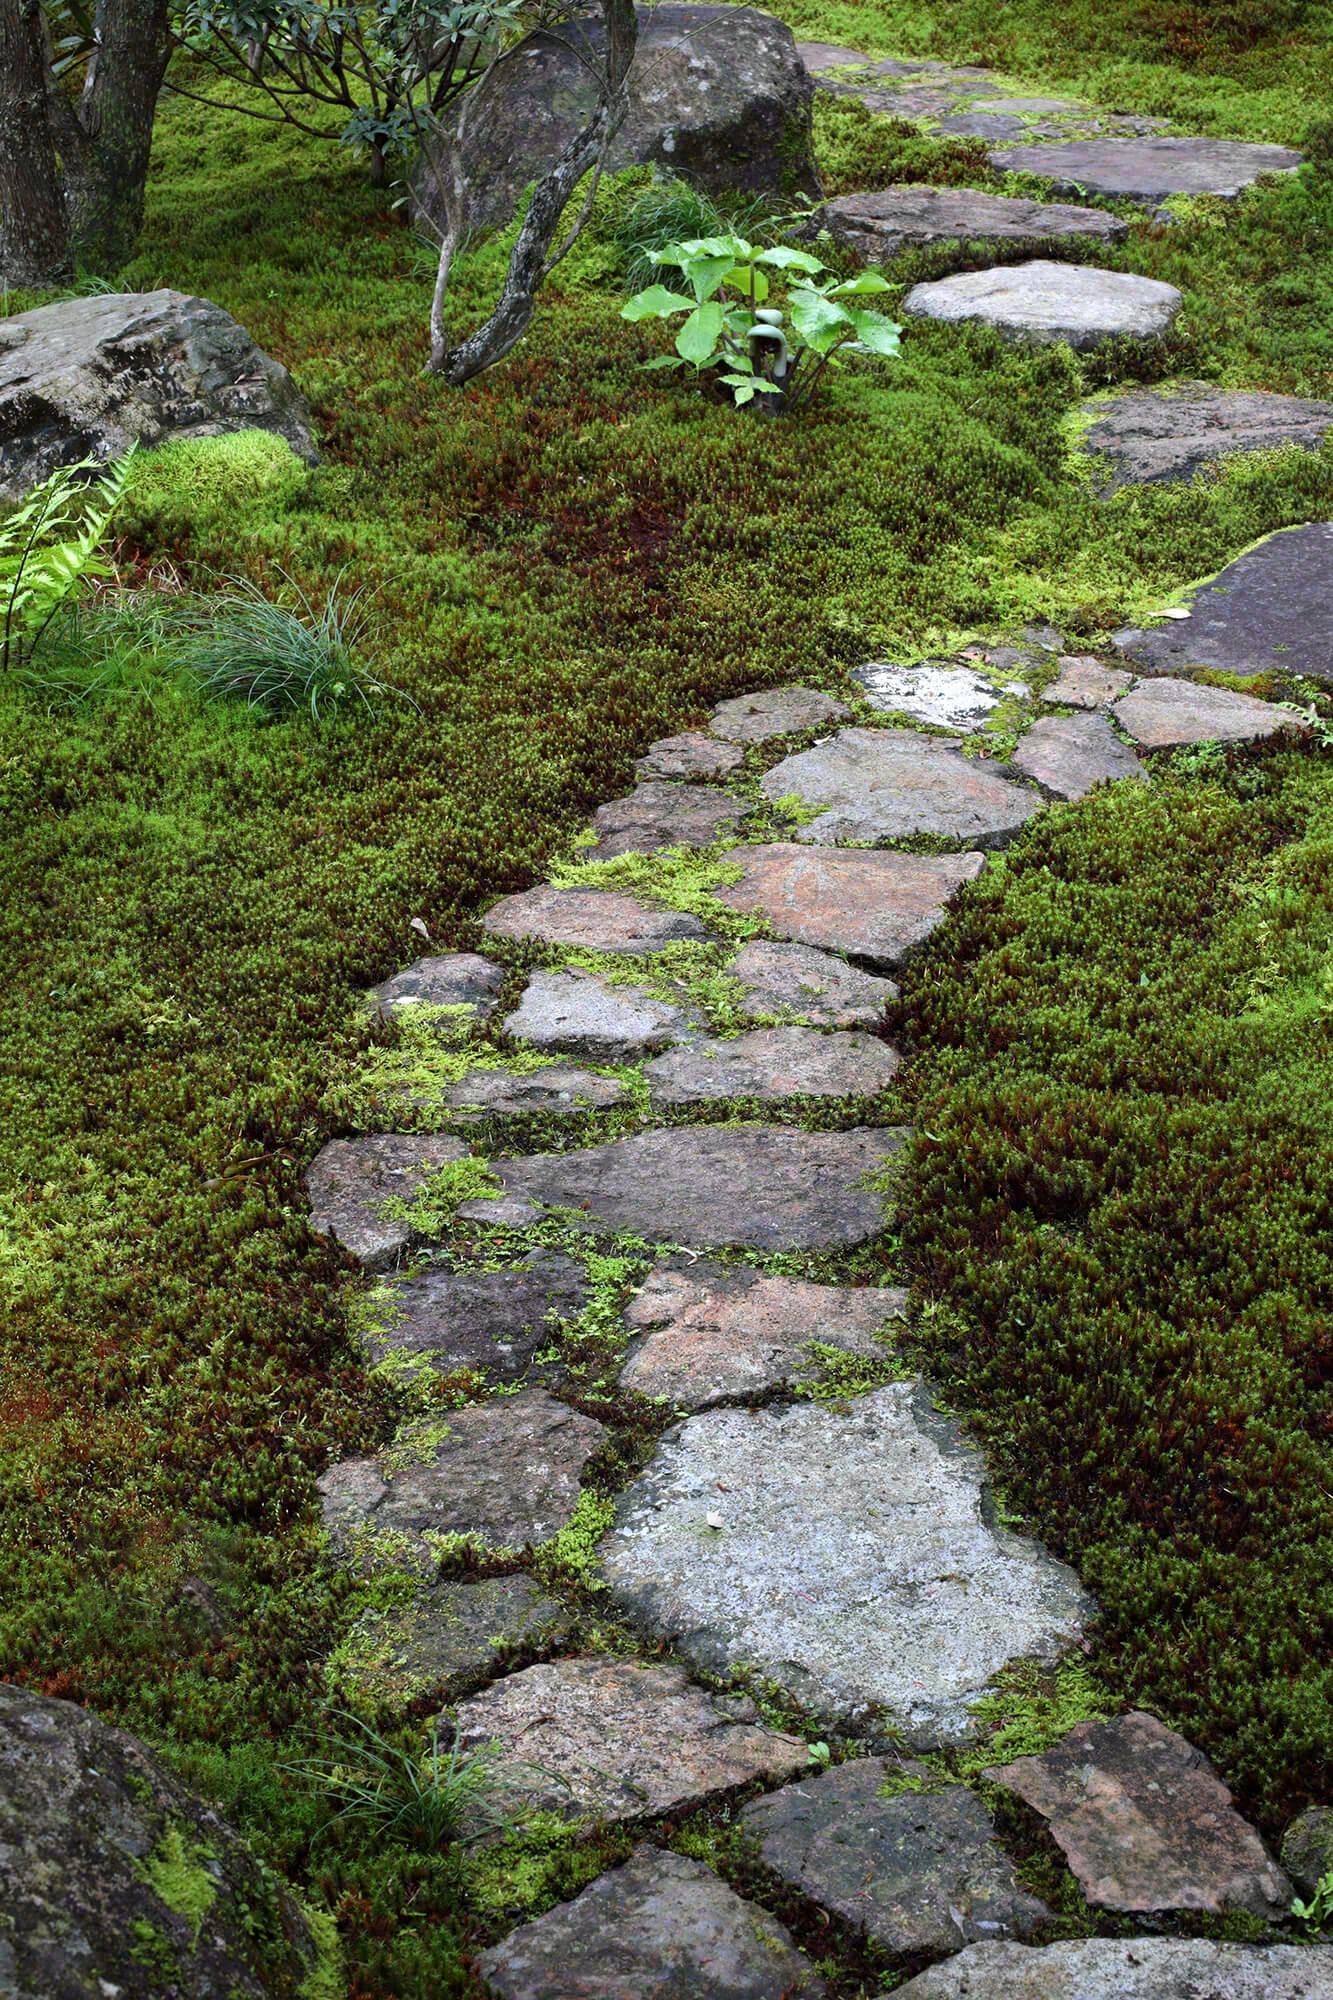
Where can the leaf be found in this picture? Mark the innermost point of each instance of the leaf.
(874, 332)
(656, 303)
(662, 361)
(862, 284)
(752, 383)
(786, 259)
(735, 248)
(820, 322)
(698, 338)
(706, 274)
(739, 277)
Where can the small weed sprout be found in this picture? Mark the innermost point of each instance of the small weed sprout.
(436, 1801)
(1318, 1912)
(276, 657)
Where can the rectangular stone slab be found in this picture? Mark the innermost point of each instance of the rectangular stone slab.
(876, 906)
(1149, 169)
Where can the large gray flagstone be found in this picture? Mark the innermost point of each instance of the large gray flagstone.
(1149, 169)
(1141, 1968)
(491, 1321)
(1172, 431)
(1069, 754)
(892, 784)
(1044, 302)
(350, 1181)
(772, 1063)
(1272, 607)
(875, 906)
(1085, 683)
(1164, 714)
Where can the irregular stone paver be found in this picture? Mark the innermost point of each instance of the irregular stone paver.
(754, 718)
(950, 697)
(1041, 301)
(1170, 432)
(716, 1336)
(879, 225)
(773, 1063)
(621, 1741)
(919, 1872)
(506, 1472)
(1160, 714)
(1069, 754)
(493, 1321)
(1085, 683)
(853, 1565)
(1149, 169)
(661, 815)
(813, 985)
(767, 1187)
(508, 1211)
(690, 755)
(1307, 1849)
(1272, 607)
(450, 1639)
(879, 907)
(1128, 1969)
(350, 1180)
(588, 920)
(663, 1927)
(889, 784)
(460, 979)
(1145, 1822)
(579, 1014)
(509, 1093)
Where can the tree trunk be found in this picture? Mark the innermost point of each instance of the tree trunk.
(105, 185)
(34, 234)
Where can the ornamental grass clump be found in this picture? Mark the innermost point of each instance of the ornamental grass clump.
(278, 658)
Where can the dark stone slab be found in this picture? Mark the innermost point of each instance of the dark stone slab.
(892, 784)
(1141, 1968)
(461, 979)
(755, 718)
(449, 1641)
(773, 1063)
(559, 1090)
(1043, 302)
(907, 216)
(492, 1321)
(1307, 1849)
(588, 920)
(350, 1181)
(796, 980)
(662, 815)
(1272, 607)
(1171, 432)
(1069, 754)
(1162, 714)
(874, 906)
(693, 755)
(1149, 169)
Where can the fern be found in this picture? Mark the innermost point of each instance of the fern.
(50, 543)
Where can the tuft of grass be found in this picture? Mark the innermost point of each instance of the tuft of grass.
(395, 1795)
(241, 645)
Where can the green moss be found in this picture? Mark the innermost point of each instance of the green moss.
(152, 1949)
(679, 878)
(571, 1556)
(325, 1980)
(431, 1211)
(178, 1872)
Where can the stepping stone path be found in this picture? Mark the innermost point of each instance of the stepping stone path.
(1272, 607)
(660, 815)
(773, 1063)
(878, 907)
(1141, 1968)
(451, 1639)
(895, 784)
(588, 920)
(490, 1321)
(794, 979)
(1171, 433)
(948, 697)
(907, 217)
(460, 980)
(1150, 169)
(1162, 715)
(351, 1180)
(579, 1014)
(1045, 302)
(1069, 754)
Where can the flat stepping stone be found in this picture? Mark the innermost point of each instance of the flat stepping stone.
(1307, 1849)
(1145, 1822)
(853, 1565)
(462, 979)
(795, 979)
(661, 815)
(507, 1211)
(1172, 432)
(820, 57)
(717, 1336)
(903, 217)
(879, 907)
(1149, 169)
(619, 1741)
(916, 1873)
(1163, 714)
(948, 697)
(576, 1013)
(662, 1927)
(1141, 1968)
(1085, 683)
(505, 1472)
(773, 1063)
(1069, 754)
(450, 1640)
(490, 1321)
(350, 1180)
(754, 718)
(762, 1187)
(893, 784)
(1044, 302)
(559, 1090)
(1272, 607)
(692, 755)
(588, 920)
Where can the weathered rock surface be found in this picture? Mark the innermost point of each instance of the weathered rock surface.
(918, 1872)
(661, 815)
(461, 979)
(772, 1063)
(1041, 301)
(1145, 1822)
(1069, 754)
(879, 907)
(660, 1928)
(889, 784)
(1307, 1849)
(1128, 1969)
(588, 920)
(1149, 169)
(717, 1336)
(507, 1211)
(560, 1090)
(692, 755)
(111, 1872)
(579, 1014)
(492, 1321)
(1161, 714)
(812, 985)
(622, 1741)
(768, 1187)
(854, 1564)
(1083, 682)
(1272, 607)
(350, 1180)
(90, 377)
(949, 697)
(880, 225)
(1171, 432)
(448, 1641)
(755, 718)
(507, 1472)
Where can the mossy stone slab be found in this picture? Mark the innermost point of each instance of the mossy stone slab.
(874, 906)
(1042, 302)
(459, 979)
(491, 1321)
(449, 1641)
(657, 814)
(1271, 608)
(588, 920)
(897, 784)
(1149, 169)
(812, 986)
(350, 1181)
(773, 1063)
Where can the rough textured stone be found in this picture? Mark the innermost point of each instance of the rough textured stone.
(506, 1211)
(662, 815)
(350, 1180)
(89, 377)
(1041, 301)
(1307, 1849)
(1145, 1822)
(1129, 1969)
(1085, 683)
(1272, 607)
(691, 755)
(755, 718)
(716, 1336)
(579, 1014)
(888, 784)
(1069, 754)
(588, 920)
(451, 1639)
(812, 985)
(506, 1472)
(919, 1872)
(663, 1927)
(880, 225)
(767, 1187)
(622, 1741)
(1160, 714)
(492, 1321)
(879, 907)
(1149, 169)
(772, 1063)
(950, 697)
(462, 979)
(1169, 433)
(559, 1089)
(88, 1819)
(854, 1565)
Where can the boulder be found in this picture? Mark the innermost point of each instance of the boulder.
(1171, 432)
(906, 217)
(1141, 1968)
(1270, 608)
(1044, 302)
(1149, 169)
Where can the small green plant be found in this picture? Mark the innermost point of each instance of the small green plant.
(436, 1801)
(278, 657)
(50, 544)
(1318, 1912)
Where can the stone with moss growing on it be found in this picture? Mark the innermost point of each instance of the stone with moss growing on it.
(495, 1322)
(361, 1190)
(452, 991)
(449, 1640)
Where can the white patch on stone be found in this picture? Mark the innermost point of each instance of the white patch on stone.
(948, 697)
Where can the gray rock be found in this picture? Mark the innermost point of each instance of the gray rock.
(621, 1741)
(451, 1639)
(663, 1927)
(1149, 169)
(588, 920)
(462, 979)
(879, 907)
(1162, 714)
(97, 1841)
(1042, 302)
(773, 1063)
(350, 1181)
(491, 1321)
(1069, 754)
(559, 1090)
(755, 718)
(90, 377)
(505, 1472)
(920, 1872)
(1171, 432)
(813, 986)
(505, 1211)
(1031, 107)
(1145, 1822)
(949, 697)
(662, 815)
(1085, 683)
(1307, 1849)
(854, 1565)
(709, 1335)
(763, 1187)
(891, 784)
(1129, 1969)
(899, 218)
(1272, 607)
(983, 125)
(693, 755)
(579, 1014)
